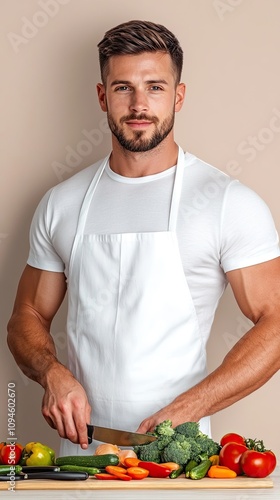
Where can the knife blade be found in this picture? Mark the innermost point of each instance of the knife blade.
(117, 436)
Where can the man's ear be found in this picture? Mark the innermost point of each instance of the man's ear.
(101, 96)
(180, 96)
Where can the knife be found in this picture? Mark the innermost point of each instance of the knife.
(39, 468)
(59, 475)
(117, 436)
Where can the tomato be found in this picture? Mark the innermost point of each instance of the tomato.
(230, 456)
(11, 454)
(258, 463)
(232, 437)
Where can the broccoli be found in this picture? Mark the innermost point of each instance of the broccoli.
(163, 441)
(178, 450)
(195, 449)
(164, 429)
(207, 445)
(148, 452)
(185, 442)
(189, 429)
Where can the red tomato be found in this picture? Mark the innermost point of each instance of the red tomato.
(230, 456)
(11, 454)
(231, 437)
(258, 463)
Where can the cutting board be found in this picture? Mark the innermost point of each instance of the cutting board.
(181, 483)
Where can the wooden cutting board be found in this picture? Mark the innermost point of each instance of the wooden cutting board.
(181, 483)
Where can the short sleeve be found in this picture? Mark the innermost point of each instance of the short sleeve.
(248, 233)
(42, 254)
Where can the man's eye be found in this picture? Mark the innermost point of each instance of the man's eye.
(122, 88)
(156, 87)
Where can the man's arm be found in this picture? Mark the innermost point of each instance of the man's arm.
(65, 405)
(250, 363)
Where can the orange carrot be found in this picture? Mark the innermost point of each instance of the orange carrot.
(131, 462)
(137, 472)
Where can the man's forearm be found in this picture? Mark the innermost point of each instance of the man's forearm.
(32, 346)
(248, 366)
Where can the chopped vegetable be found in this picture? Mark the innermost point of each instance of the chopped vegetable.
(126, 453)
(105, 476)
(218, 471)
(155, 470)
(131, 462)
(137, 472)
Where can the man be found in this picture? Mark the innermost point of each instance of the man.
(145, 265)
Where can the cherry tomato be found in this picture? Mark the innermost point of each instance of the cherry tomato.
(230, 456)
(232, 437)
(258, 463)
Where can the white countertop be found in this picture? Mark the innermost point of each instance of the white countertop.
(188, 494)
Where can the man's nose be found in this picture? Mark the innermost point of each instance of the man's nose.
(139, 101)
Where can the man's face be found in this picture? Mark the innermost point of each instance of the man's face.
(140, 99)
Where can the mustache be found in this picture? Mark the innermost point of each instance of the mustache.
(141, 116)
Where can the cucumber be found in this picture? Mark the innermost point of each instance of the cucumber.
(176, 473)
(190, 465)
(79, 468)
(200, 470)
(98, 461)
(10, 469)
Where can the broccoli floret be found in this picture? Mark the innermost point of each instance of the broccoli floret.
(195, 449)
(164, 429)
(207, 445)
(148, 452)
(163, 441)
(178, 450)
(189, 429)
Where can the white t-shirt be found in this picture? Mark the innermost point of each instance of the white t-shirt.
(222, 225)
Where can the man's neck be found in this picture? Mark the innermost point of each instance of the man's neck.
(151, 162)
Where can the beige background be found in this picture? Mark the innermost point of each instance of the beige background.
(231, 118)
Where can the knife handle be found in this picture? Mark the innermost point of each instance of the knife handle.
(59, 475)
(39, 468)
(90, 429)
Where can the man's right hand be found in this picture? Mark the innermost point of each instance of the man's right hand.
(65, 405)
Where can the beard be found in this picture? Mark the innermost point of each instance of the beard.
(140, 144)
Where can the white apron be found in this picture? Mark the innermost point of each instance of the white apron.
(133, 337)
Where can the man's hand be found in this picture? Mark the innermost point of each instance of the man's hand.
(65, 406)
(178, 411)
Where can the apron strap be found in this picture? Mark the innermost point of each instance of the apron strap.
(176, 195)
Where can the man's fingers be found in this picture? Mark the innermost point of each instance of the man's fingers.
(81, 419)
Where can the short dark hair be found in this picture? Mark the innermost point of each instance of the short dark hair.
(135, 37)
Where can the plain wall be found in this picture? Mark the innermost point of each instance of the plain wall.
(231, 118)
